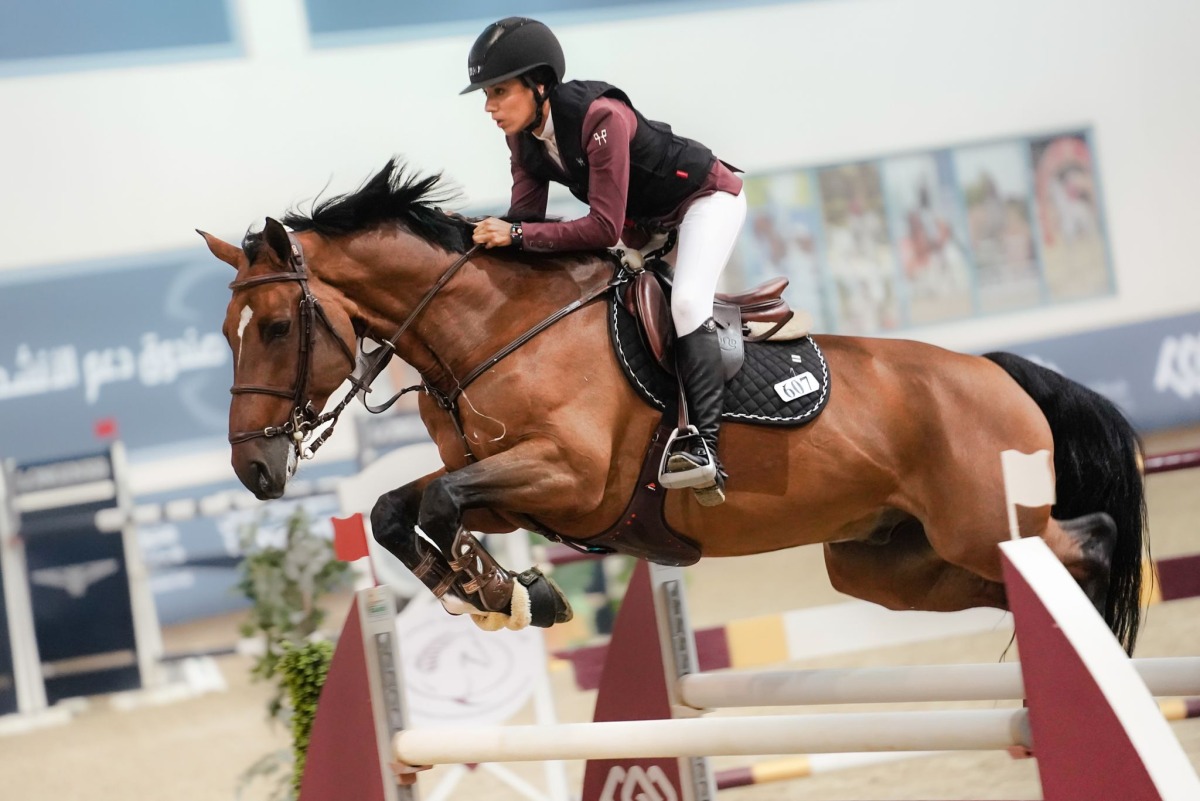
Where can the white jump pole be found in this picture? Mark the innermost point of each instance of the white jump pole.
(1173, 676)
(959, 730)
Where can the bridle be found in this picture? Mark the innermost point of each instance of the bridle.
(303, 419)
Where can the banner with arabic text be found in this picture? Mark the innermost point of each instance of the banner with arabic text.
(131, 349)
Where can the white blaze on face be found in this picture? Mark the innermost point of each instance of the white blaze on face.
(243, 321)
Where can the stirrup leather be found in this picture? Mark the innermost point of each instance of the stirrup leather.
(699, 476)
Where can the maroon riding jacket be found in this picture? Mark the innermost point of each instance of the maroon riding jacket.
(609, 126)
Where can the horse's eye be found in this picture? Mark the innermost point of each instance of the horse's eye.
(278, 329)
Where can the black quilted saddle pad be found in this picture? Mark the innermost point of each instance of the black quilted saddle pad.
(781, 383)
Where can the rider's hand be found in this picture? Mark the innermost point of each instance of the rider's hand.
(493, 232)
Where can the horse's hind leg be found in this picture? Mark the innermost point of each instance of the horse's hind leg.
(1084, 545)
(898, 569)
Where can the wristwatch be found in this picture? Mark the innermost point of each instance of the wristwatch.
(517, 235)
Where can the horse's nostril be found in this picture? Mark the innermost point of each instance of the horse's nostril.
(262, 475)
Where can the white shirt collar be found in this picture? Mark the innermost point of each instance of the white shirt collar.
(547, 136)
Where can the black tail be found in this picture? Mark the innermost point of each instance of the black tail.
(1097, 463)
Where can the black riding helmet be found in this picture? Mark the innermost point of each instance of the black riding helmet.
(510, 48)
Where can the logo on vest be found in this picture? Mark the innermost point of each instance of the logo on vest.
(796, 387)
(638, 784)
(601, 136)
(1178, 367)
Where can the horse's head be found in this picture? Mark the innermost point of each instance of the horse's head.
(290, 352)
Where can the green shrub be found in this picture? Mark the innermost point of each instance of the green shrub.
(284, 585)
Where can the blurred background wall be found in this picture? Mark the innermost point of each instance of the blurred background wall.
(127, 124)
(104, 159)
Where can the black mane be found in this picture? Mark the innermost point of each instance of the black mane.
(392, 195)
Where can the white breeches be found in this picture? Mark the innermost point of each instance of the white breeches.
(707, 234)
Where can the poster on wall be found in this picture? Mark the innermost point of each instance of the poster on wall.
(1074, 250)
(780, 239)
(858, 251)
(930, 236)
(994, 180)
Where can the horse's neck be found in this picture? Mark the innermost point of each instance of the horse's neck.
(485, 305)
(498, 298)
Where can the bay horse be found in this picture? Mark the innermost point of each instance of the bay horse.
(899, 478)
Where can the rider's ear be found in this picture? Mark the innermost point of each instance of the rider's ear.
(232, 255)
(276, 237)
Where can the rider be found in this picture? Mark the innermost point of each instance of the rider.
(637, 177)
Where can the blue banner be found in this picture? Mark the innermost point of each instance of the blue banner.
(56, 28)
(131, 350)
(333, 18)
(1151, 370)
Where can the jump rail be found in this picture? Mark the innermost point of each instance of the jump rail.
(1168, 676)
(943, 730)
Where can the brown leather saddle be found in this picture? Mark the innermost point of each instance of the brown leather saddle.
(648, 301)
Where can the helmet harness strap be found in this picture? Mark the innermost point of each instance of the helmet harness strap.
(539, 101)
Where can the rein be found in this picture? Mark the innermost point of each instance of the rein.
(449, 402)
(304, 420)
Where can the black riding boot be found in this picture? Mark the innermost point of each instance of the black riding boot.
(698, 360)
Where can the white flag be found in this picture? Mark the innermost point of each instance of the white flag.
(1028, 478)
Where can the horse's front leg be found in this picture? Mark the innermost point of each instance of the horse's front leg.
(529, 479)
(394, 522)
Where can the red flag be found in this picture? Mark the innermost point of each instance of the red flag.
(105, 428)
(349, 537)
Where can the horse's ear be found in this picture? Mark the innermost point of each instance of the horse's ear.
(232, 255)
(277, 239)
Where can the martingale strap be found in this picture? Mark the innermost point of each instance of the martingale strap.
(449, 401)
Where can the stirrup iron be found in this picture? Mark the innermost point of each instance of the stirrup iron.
(699, 476)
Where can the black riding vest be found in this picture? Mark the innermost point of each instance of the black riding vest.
(664, 170)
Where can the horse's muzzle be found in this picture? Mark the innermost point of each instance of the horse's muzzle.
(262, 467)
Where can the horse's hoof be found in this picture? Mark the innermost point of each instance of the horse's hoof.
(547, 603)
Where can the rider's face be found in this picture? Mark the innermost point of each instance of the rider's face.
(510, 104)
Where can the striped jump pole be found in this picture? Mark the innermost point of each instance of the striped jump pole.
(1174, 460)
(801, 767)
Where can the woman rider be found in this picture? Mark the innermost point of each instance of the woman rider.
(636, 177)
